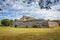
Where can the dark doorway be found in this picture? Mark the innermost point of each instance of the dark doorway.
(26, 26)
(59, 24)
(15, 26)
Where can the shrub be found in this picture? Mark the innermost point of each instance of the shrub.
(6, 22)
(35, 26)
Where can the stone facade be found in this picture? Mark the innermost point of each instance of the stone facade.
(53, 24)
(25, 22)
(0, 22)
(58, 23)
(30, 24)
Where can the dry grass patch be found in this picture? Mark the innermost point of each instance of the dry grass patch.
(8, 33)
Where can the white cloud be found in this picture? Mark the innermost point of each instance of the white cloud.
(32, 9)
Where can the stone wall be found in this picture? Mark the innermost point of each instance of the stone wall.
(0, 22)
(40, 24)
(53, 24)
(30, 24)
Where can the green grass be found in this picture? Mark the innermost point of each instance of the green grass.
(9, 33)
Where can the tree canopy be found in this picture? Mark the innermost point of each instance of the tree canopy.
(6, 22)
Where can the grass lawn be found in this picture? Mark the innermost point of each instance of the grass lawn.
(9, 33)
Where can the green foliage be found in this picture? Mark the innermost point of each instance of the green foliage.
(6, 22)
(35, 26)
(55, 20)
(10, 22)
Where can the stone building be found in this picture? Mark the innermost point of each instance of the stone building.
(0, 22)
(29, 22)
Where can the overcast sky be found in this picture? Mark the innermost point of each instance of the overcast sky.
(13, 9)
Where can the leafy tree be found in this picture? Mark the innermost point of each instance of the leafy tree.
(10, 22)
(56, 20)
(6, 22)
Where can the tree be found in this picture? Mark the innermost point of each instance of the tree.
(10, 22)
(6, 22)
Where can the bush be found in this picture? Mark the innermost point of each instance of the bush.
(26, 26)
(6, 22)
(35, 26)
(15, 26)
